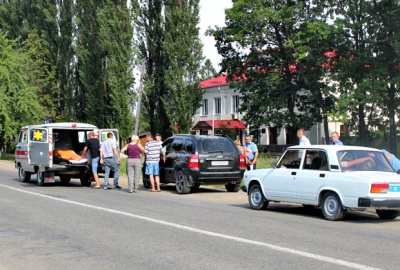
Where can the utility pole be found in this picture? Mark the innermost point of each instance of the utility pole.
(139, 98)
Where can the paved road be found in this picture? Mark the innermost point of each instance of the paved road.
(74, 227)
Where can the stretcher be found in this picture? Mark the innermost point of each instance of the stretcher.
(69, 155)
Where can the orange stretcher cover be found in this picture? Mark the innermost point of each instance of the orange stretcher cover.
(67, 154)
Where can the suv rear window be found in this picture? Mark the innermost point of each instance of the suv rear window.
(216, 145)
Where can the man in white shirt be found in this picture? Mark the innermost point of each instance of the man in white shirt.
(110, 158)
(302, 137)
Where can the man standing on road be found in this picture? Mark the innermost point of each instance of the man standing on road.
(253, 155)
(152, 151)
(335, 139)
(302, 136)
(108, 155)
(93, 145)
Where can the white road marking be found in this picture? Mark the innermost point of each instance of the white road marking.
(209, 233)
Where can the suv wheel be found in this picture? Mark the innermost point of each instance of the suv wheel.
(233, 187)
(181, 183)
(146, 181)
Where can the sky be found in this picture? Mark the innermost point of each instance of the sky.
(212, 13)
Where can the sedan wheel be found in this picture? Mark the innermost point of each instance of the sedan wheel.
(332, 208)
(23, 175)
(257, 200)
(180, 182)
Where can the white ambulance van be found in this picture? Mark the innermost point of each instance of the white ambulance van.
(34, 152)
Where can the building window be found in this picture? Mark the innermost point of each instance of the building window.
(235, 104)
(217, 106)
(204, 107)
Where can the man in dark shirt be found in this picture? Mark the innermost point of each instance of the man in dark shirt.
(93, 145)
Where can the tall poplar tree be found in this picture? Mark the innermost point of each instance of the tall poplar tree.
(168, 41)
(116, 37)
(183, 52)
(150, 37)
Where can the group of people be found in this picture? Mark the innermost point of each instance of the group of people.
(108, 155)
(303, 140)
(394, 161)
(249, 151)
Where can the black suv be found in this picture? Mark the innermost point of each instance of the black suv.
(194, 160)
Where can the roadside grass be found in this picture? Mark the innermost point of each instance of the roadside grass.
(265, 160)
(7, 156)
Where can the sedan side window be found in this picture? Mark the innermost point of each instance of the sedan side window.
(291, 159)
(315, 160)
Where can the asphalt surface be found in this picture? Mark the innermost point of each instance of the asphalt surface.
(75, 227)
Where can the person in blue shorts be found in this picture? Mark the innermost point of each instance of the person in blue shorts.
(152, 150)
(93, 147)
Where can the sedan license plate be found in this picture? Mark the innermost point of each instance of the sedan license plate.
(394, 188)
(219, 163)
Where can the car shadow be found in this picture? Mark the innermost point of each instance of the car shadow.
(365, 217)
(75, 183)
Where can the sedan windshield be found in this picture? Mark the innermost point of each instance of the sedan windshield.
(361, 160)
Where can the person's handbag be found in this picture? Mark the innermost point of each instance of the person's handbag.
(248, 161)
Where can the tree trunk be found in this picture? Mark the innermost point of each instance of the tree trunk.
(362, 127)
(392, 123)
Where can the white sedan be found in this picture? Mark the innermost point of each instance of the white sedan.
(333, 178)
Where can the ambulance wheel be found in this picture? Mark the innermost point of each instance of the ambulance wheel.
(23, 175)
(85, 181)
(40, 178)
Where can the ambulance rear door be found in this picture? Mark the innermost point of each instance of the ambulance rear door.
(39, 146)
(103, 136)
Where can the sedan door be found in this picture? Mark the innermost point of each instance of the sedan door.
(281, 183)
(312, 176)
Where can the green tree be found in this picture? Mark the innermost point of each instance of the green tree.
(207, 71)
(367, 69)
(182, 49)
(150, 25)
(53, 21)
(260, 57)
(19, 103)
(41, 74)
(116, 35)
(104, 64)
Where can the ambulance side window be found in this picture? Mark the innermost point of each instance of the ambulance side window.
(23, 136)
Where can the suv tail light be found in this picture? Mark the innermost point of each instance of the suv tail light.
(379, 188)
(242, 164)
(194, 161)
